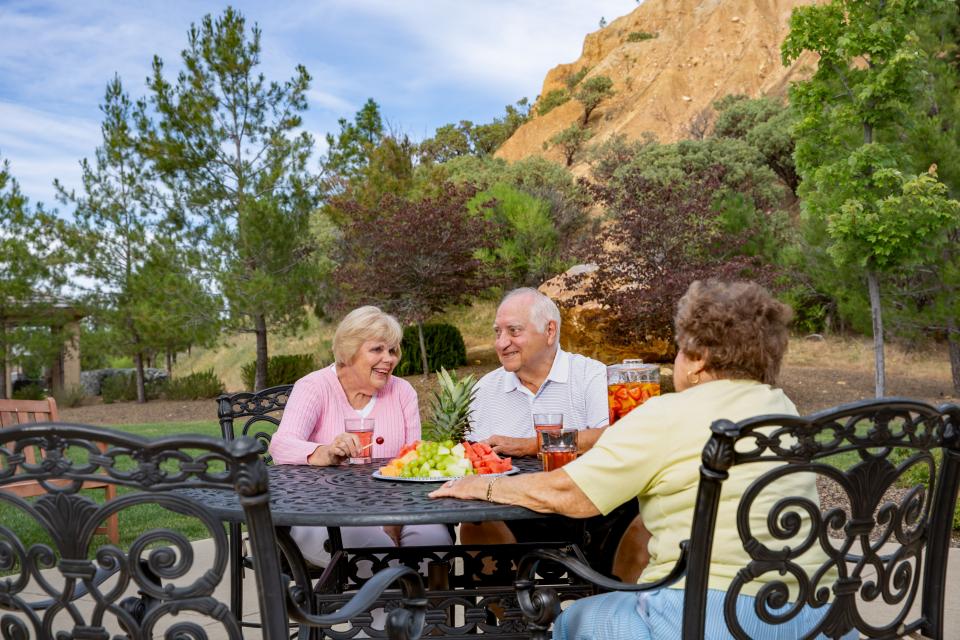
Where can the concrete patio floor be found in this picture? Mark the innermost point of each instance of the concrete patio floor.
(875, 612)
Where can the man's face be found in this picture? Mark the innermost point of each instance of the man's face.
(519, 343)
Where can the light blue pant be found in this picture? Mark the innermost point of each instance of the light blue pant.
(630, 616)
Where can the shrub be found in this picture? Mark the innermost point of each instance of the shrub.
(195, 386)
(445, 348)
(32, 391)
(280, 369)
(574, 78)
(123, 388)
(552, 100)
(72, 397)
(919, 474)
(640, 36)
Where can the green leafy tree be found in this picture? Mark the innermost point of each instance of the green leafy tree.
(878, 216)
(115, 219)
(32, 270)
(413, 257)
(487, 138)
(591, 93)
(766, 125)
(552, 100)
(570, 141)
(448, 142)
(529, 251)
(228, 146)
(349, 150)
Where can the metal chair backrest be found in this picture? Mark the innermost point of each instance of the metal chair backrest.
(88, 584)
(262, 411)
(863, 450)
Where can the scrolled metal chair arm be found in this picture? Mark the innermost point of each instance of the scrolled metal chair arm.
(541, 606)
(403, 623)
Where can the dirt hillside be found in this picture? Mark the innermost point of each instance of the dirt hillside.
(700, 50)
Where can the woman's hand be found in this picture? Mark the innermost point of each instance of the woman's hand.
(470, 488)
(345, 445)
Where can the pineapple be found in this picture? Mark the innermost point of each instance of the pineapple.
(450, 408)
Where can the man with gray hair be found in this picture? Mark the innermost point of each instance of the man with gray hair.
(537, 376)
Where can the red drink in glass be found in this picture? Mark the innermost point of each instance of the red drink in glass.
(363, 429)
(556, 458)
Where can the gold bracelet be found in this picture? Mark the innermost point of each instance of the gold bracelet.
(490, 489)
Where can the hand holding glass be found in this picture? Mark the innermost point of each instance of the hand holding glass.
(363, 429)
(557, 447)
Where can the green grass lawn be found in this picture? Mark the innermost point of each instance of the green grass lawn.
(136, 520)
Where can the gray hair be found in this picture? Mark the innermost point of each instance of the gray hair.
(542, 308)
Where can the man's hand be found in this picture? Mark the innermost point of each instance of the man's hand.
(505, 446)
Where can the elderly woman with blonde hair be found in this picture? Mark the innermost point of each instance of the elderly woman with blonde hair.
(359, 384)
(731, 338)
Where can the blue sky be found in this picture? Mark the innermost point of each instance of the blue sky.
(426, 62)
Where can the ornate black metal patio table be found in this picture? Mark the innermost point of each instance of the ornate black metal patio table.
(468, 577)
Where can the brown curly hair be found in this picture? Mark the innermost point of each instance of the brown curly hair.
(738, 327)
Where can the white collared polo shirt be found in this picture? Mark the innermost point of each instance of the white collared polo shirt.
(576, 387)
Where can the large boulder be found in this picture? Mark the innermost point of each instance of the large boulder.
(92, 381)
(584, 327)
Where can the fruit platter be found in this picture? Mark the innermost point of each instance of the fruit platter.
(428, 460)
(445, 451)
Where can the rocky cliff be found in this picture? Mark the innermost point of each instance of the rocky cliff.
(669, 60)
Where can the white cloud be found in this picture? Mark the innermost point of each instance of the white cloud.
(425, 61)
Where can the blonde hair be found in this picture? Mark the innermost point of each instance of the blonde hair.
(360, 325)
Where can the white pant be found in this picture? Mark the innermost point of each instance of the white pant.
(311, 539)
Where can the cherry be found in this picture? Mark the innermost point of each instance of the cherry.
(379, 439)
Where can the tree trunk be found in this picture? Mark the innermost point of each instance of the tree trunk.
(260, 328)
(953, 340)
(169, 363)
(423, 350)
(873, 286)
(141, 386)
(3, 360)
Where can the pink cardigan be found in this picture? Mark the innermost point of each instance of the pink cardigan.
(318, 405)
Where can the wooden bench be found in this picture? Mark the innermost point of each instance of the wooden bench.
(865, 449)
(17, 412)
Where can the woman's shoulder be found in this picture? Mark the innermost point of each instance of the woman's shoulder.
(399, 387)
(321, 378)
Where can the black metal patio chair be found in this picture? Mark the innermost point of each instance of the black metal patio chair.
(864, 450)
(152, 584)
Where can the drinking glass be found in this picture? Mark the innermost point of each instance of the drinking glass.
(557, 447)
(548, 421)
(363, 428)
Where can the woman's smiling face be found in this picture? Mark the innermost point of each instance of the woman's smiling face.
(374, 362)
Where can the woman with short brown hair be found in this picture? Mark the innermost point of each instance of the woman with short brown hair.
(731, 338)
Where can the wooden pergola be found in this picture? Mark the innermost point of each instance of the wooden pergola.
(61, 315)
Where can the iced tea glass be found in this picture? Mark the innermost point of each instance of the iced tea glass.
(363, 428)
(549, 421)
(557, 447)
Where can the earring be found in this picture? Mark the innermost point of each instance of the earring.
(693, 378)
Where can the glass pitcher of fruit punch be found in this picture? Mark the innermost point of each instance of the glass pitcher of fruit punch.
(629, 385)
